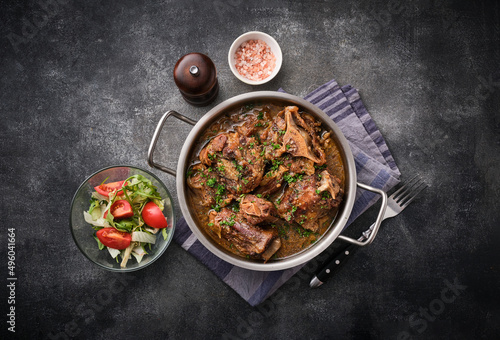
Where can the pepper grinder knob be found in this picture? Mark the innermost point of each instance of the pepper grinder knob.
(194, 70)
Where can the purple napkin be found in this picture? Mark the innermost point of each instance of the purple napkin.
(375, 166)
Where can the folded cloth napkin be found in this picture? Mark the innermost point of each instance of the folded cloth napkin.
(375, 166)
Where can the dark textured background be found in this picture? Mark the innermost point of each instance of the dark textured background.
(83, 84)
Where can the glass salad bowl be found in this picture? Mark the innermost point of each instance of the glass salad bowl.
(84, 234)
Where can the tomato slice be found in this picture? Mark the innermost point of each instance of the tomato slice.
(153, 216)
(113, 238)
(106, 188)
(120, 209)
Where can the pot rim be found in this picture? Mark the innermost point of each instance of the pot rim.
(338, 223)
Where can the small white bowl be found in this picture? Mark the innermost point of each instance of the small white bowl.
(254, 35)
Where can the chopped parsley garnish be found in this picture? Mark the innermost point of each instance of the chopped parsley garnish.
(303, 232)
(283, 231)
(238, 166)
(276, 164)
(211, 182)
(289, 178)
(230, 222)
(292, 178)
(220, 189)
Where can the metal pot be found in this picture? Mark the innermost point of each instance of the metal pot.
(344, 210)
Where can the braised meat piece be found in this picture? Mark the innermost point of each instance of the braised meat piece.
(272, 138)
(329, 183)
(300, 139)
(272, 181)
(246, 237)
(207, 155)
(256, 119)
(302, 165)
(236, 159)
(309, 198)
(240, 228)
(257, 210)
(282, 169)
(249, 126)
(205, 184)
(294, 134)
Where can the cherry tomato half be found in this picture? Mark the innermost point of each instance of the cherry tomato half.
(153, 216)
(120, 209)
(113, 238)
(105, 188)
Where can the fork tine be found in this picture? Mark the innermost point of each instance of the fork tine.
(404, 188)
(410, 187)
(413, 194)
(411, 190)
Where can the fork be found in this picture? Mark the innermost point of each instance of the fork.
(396, 203)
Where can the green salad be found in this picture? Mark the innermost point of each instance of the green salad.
(126, 217)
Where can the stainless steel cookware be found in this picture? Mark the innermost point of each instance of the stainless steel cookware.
(187, 154)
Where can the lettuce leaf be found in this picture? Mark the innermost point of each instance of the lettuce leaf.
(113, 252)
(141, 236)
(100, 222)
(100, 245)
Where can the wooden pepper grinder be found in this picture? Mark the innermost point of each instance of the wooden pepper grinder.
(196, 77)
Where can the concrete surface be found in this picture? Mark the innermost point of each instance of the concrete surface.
(83, 84)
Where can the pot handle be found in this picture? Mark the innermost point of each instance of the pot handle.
(374, 228)
(159, 127)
